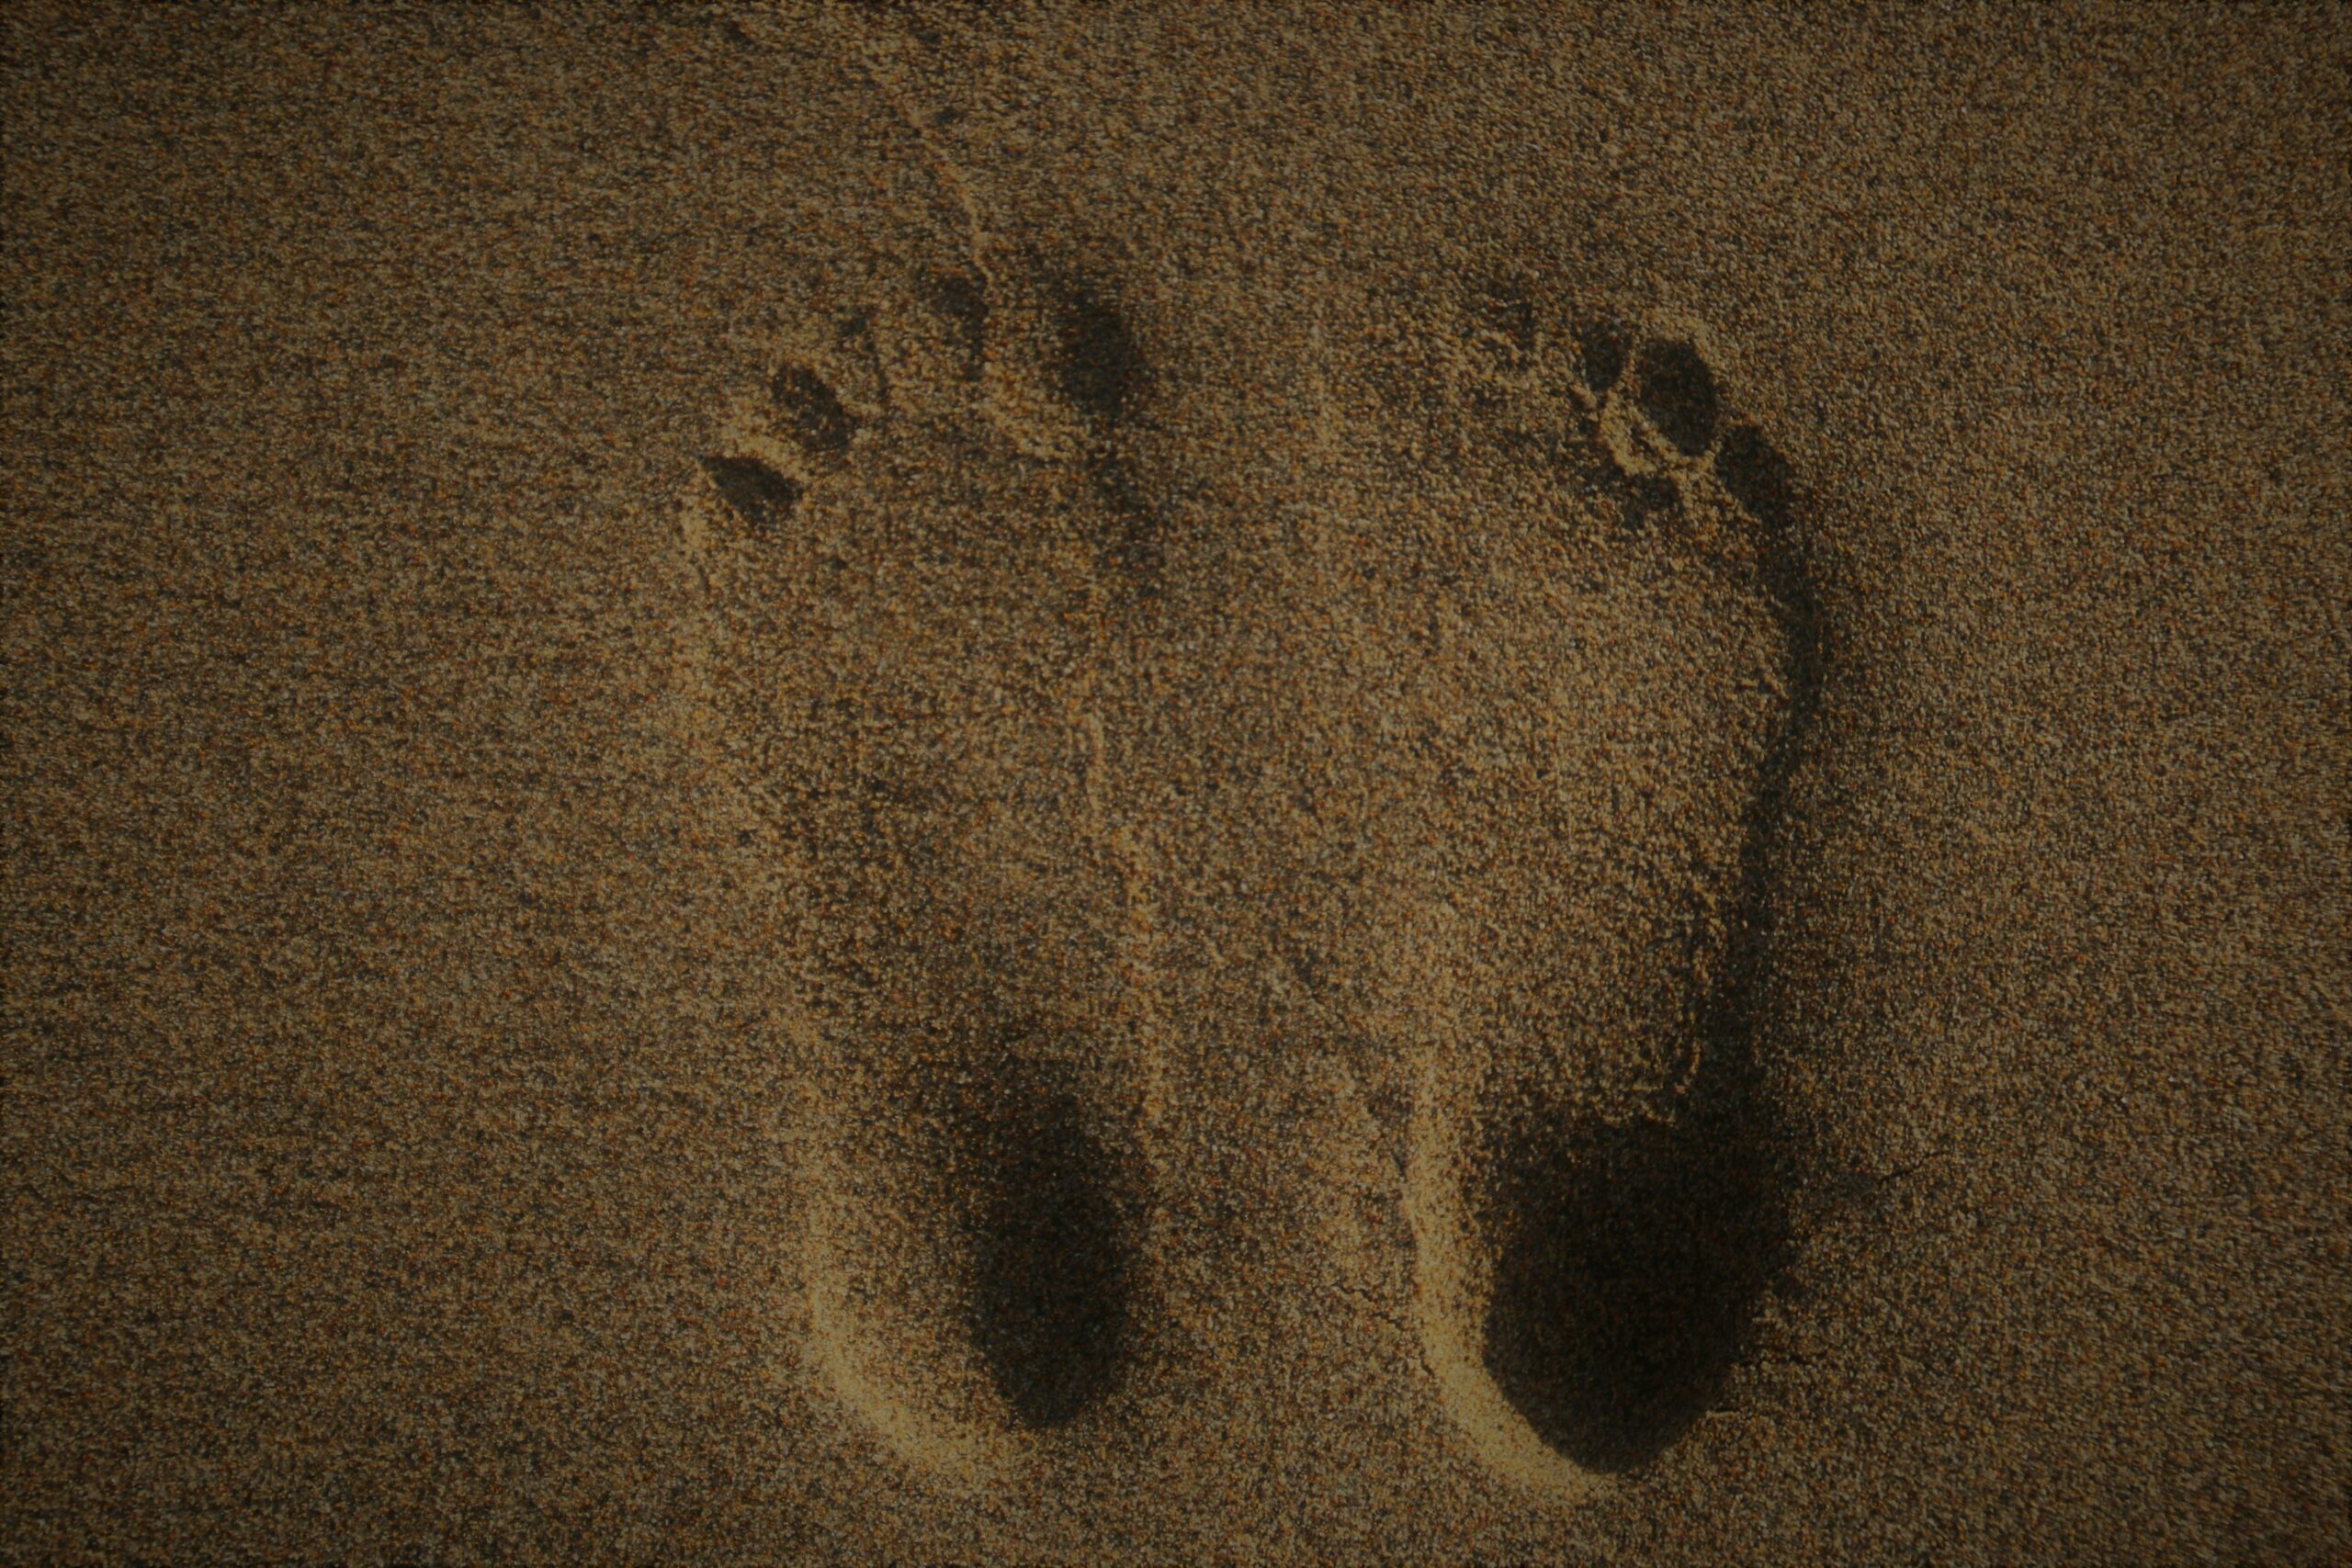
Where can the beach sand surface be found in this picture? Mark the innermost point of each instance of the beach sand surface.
(896, 783)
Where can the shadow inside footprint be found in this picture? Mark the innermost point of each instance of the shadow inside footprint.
(1052, 1245)
(762, 498)
(1101, 372)
(1097, 365)
(1630, 1261)
(1674, 387)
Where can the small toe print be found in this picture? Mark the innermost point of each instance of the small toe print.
(758, 494)
(1600, 353)
(963, 302)
(1674, 387)
(816, 416)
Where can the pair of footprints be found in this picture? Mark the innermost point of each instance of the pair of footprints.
(976, 681)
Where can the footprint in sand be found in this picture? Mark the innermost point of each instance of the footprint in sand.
(1486, 747)
(1593, 1173)
(916, 537)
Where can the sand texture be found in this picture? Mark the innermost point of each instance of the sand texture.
(1158, 783)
